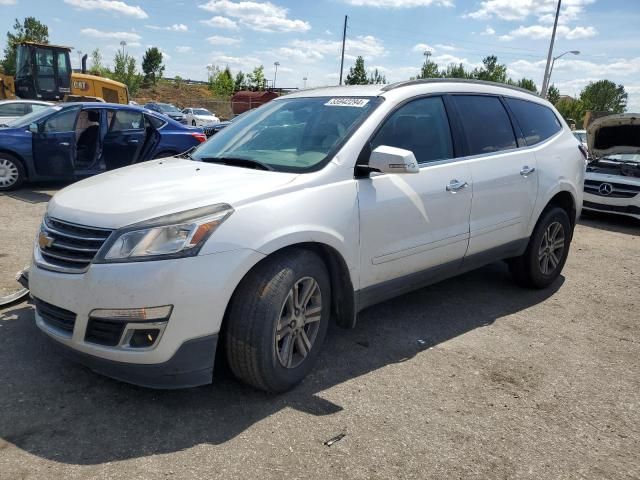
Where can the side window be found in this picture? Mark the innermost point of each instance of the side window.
(536, 121)
(13, 109)
(64, 121)
(127, 120)
(421, 126)
(487, 127)
(36, 108)
(155, 122)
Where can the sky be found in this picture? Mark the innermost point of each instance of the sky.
(304, 36)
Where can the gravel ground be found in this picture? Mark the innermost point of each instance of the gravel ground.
(470, 378)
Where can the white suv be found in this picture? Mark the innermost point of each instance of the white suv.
(314, 206)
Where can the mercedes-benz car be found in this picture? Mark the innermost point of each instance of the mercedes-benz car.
(612, 181)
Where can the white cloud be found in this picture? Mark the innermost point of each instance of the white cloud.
(220, 40)
(244, 63)
(221, 22)
(423, 47)
(126, 36)
(446, 59)
(511, 10)
(176, 27)
(260, 16)
(183, 49)
(447, 48)
(367, 46)
(400, 3)
(539, 32)
(488, 31)
(112, 6)
(7, 2)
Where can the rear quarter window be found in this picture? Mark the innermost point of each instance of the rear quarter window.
(536, 121)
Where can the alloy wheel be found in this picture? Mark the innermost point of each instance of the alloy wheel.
(299, 322)
(8, 173)
(551, 248)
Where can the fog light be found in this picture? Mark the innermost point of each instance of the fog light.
(133, 314)
(144, 338)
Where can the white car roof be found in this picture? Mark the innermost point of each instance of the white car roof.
(33, 102)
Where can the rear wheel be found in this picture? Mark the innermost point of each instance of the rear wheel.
(11, 173)
(278, 320)
(547, 252)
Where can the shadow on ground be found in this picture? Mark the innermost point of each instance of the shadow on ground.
(61, 411)
(612, 223)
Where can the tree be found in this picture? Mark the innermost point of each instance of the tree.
(604, 96)
(429, 68)
(152, 65)
(375, 78)
(527, 84)
(357, 74)
(491, 70)
(256, 79)
(97, 66)
(572, 110)
(239, 82)
(455, 71)
(553, 94)
(221, 82)
(124, 70)
(31, 30)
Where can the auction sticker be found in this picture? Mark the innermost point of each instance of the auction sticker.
(347, 102)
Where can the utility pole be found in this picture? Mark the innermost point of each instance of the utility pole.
(547, 70)
(344, 38)
(275, 75)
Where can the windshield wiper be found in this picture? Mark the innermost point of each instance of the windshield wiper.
(186, 154)
(238, 162)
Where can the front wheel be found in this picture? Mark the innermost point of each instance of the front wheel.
(547, 252)
(11, 173)
(278, 320)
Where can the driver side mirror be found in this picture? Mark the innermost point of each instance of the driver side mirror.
(33, 128)
(387, 159)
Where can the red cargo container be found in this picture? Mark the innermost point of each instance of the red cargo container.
(246, 100)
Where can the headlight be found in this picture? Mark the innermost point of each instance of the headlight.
(171, 236)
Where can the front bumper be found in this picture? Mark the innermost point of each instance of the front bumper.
(199, 288)
(620, 206)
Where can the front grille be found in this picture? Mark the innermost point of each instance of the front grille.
(104, 332)
(68, 246)
(619, 190)
(631, 209)
(55, 317)
(212, 129)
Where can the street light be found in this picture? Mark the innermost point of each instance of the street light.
(276, 64)
(123, 44)
(304, 79)
(572, 52)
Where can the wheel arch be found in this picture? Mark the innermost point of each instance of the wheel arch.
(565, 200)
(19, 158)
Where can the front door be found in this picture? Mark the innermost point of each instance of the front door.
(504, 176)
(54, 146)
(414, 223)
(125, 139)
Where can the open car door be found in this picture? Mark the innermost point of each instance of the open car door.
(125, 139)
(54, 145)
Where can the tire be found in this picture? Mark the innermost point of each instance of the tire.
(542, 261)
(264, 301)
(12, 174)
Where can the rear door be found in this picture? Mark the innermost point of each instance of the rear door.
(54, 146)
(124, 139)
(505, 182)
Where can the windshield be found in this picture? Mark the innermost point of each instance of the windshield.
(165, 107)
(33, 117)
(291, 135)
(202, 111)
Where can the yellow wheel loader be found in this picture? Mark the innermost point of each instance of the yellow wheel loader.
(43, 72)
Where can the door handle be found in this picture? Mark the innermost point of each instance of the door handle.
(527, 170)
(64, 144)
(133, 141)
(455, 185)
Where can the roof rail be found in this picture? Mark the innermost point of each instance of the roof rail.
(407, 83)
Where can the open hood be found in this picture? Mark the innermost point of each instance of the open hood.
(614, 135)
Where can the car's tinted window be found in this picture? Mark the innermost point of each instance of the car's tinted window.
(13, 109)
(155, 122)
(537, 122)
(36, 108)
(65, 121)
(127, 120)
(486, 124)
(420, 126)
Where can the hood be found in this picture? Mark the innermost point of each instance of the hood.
(614, 135)
(160, 187)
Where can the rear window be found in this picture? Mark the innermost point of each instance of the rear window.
(536, 121)
(13, 109)
(487, 127)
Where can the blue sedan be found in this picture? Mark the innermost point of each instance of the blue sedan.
(74, 140)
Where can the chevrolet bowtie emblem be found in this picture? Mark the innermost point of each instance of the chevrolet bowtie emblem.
(44, 240)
